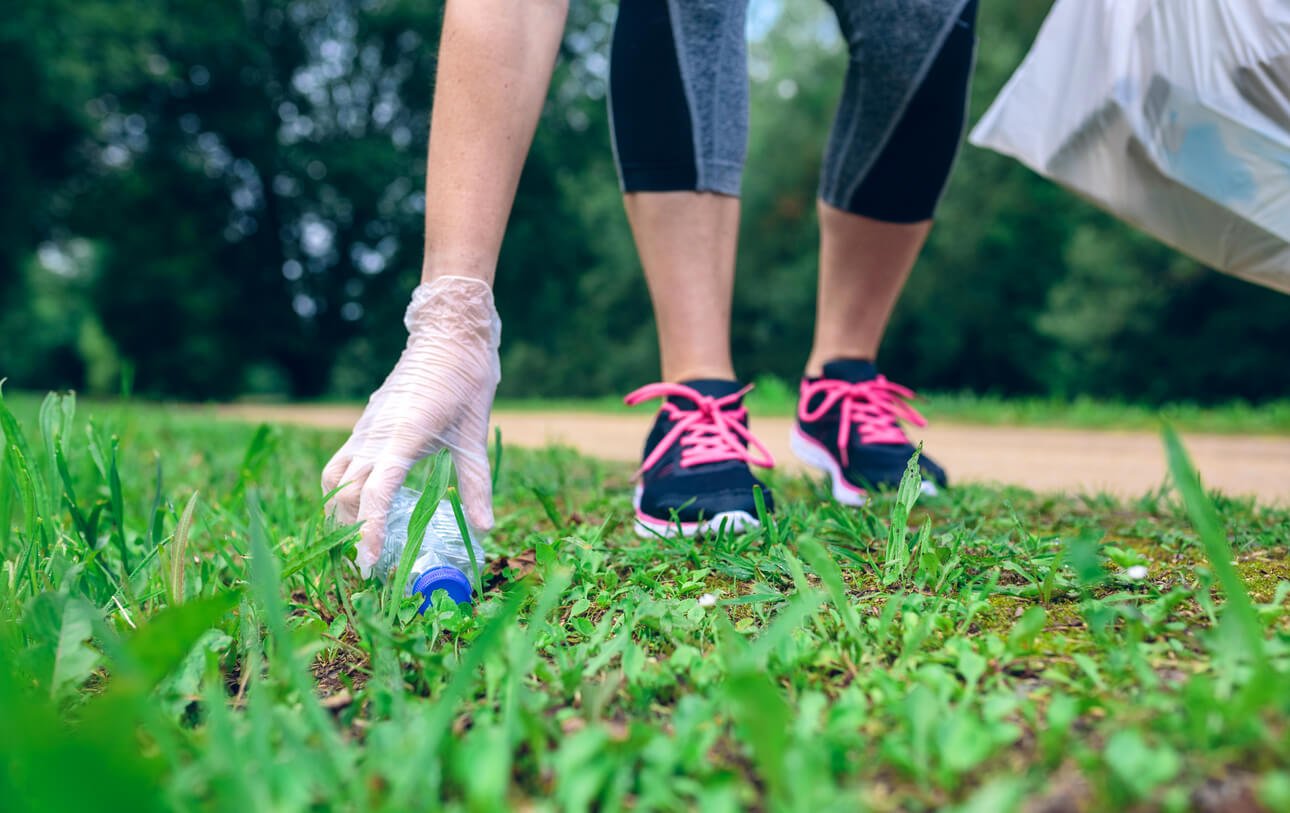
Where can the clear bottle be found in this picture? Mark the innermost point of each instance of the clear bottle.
(443, 561)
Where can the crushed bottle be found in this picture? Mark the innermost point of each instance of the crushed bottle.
(443, 561)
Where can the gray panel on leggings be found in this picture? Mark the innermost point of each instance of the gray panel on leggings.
(713, 55)
(892, 45)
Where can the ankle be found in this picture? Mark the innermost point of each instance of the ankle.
(814, 367)
(693, 372)
(819, 357)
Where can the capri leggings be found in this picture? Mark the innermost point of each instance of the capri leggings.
(679, 100)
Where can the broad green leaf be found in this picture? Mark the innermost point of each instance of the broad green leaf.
(999, 795)
(1139, 765)
(1031, 623)
(762, 717)
(47, 765)
(57, 627)
(160, 645)
(1084, 554)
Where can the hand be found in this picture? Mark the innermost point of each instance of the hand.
(438, 396)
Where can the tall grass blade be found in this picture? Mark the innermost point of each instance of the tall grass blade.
(179, 550)
(422, 513)
(764, 517)
(157, 527)
(545, 499)
(258, 453)
(1204, 517)
(826, 568)
(11, 429)
(265, 587)
(104, 453)
(330, 541)
(29, 488)
(497, 455)
(6, 496)
(83, 527)
(758, 709)
(56, 413)
(898, 553)
(463, 528)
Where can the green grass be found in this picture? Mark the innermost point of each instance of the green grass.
(180, 629)
(773, 397)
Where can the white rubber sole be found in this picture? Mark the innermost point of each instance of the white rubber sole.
(648, 527)
(810, 452)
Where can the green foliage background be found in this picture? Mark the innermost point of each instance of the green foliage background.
(224, 197)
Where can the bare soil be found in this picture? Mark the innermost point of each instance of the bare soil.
(1125, 464)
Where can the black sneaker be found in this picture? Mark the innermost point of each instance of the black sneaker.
(848, 425)
(694, 475)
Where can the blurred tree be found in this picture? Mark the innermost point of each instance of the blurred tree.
(255, 186)
(57, 54)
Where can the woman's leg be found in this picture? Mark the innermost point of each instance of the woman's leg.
(873, 225)
(679, 112)
(883, 175)
(686, 242)
(864, 264)
(495, 62)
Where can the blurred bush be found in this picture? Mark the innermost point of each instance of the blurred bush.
(226, 198)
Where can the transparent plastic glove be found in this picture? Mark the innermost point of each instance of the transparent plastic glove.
(438, 396)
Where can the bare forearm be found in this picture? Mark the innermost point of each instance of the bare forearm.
(495, 63)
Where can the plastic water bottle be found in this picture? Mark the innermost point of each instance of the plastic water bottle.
(443, 561)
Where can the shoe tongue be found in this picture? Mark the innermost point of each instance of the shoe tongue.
(711, 387)
(850, 370)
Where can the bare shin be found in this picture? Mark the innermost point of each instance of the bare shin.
(686, 242)
(864, 264)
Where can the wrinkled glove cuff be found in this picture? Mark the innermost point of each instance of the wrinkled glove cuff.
(460, 306)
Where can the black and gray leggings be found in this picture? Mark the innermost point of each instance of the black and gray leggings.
(679, 100)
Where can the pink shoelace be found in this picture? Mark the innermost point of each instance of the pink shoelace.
(874, 408)
(709, 433)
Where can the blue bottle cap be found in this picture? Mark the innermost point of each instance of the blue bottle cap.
(443, 577)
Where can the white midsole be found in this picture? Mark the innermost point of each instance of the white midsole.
(812, 455)
(734, 521)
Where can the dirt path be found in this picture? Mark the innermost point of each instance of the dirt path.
(1127, 464)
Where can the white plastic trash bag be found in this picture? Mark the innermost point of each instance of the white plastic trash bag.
(1172, 114)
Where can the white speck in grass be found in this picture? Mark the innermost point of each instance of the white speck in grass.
(707, 600)
(1137, 572)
